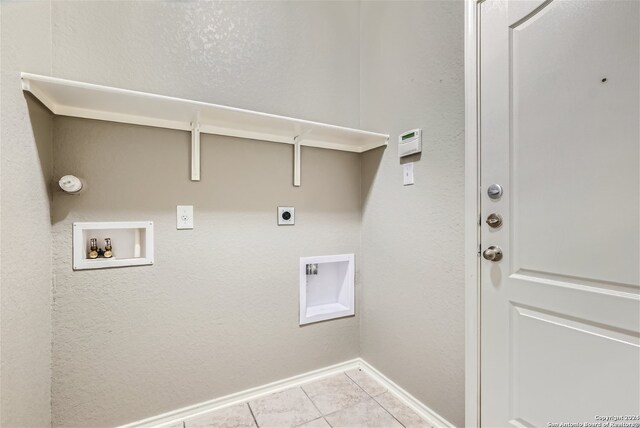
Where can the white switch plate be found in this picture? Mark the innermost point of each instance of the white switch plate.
(184, 217)
(407, 174)
(282, 220)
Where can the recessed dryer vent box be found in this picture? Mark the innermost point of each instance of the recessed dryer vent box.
(326, 288)
(131, 241)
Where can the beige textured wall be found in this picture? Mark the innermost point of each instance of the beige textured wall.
(25, 230)
(218, 311)
(412, 301)
(283, 57)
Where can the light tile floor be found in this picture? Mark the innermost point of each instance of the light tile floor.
(346, 400)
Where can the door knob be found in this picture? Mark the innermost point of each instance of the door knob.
(493, 254)
(494, 220)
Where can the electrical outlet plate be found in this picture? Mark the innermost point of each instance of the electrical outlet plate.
(286, 216)
(184, 217)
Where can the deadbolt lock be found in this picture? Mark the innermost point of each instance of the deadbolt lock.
(494, 191)
(494, 220)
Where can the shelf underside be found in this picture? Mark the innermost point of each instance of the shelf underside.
(79, 99)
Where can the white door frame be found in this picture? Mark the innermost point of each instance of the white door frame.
(472, 216)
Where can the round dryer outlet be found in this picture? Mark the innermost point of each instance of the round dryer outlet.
(286, 216)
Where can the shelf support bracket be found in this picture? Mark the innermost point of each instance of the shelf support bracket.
(195, 151)
(296, 161)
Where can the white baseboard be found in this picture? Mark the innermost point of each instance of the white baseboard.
(418, 406)
(176, 416)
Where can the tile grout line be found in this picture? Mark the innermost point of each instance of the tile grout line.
(370, 396)
(365, 391)
(314, 405)
(252, 415)
(338, 410)
(321, 417)
(356, 384)
(374, 398)
(362, 401)
(385, 409)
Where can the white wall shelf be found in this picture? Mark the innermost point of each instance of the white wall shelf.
(132, 243)
(89, 101)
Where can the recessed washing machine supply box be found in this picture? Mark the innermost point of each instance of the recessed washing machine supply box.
(327, 288)
(132, 243)
(410, 143)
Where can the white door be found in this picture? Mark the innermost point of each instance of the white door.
(559, 131)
